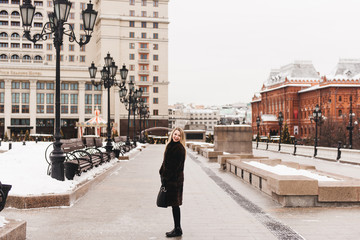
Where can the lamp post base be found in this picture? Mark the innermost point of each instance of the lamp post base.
(57, 165)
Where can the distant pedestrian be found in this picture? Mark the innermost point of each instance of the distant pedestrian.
(172, 176)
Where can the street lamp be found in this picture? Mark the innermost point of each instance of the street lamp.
(143, 113)
(108, 74)
(316, 117)
(56, 26)
(258, 125)
(130, 100)
(280, 119)
(351, 126)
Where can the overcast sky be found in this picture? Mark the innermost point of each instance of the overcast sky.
(222, 51)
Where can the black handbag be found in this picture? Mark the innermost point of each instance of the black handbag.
(161, 198)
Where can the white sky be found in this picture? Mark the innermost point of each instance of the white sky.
(222, 51)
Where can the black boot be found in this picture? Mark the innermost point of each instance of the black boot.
(176, 232)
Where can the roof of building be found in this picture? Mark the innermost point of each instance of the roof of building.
(345, 69)
(298, 70)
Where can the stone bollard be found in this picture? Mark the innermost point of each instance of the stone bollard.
(24, 143)
(36, 139)
(0, 142)
(295, 142)
(10, 145)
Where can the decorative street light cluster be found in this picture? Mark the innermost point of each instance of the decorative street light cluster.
(108, 74)
(56, 27)
(143, 112)
(131, 101)
(280, 119)
(316, 118)
(350, 127)
(257, 125)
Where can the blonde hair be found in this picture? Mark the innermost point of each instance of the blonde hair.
(182, 136)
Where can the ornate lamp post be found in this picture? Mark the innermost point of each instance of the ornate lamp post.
(130, 100)
(350, 127)
(137, 97)
(143, 113)
(280, 119)
(108, 74)
(56, 27)
(257, 125)
(316, 117)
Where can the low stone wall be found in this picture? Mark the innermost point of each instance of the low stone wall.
(13, 230)
(298, 190)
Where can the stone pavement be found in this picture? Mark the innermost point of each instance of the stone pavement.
(216, 205)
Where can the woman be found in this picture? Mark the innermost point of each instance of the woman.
(172, 176)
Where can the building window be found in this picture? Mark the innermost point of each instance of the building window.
(15, 45)
(74, 86)
(155, 100)
(155, 25)
(82, 58)
(132, 67)
(64, 99)
(4, 45)
(64, 86)
(155, 36)
(132, 78)
(50, 86)
(156, 3)
(15, 97)
(132, 24)
(49, 57)
(131, 34)
(15, 85)
(132, 45)
(73, 109)
(88, 109)
(25, 98)
(143, 35)
(71, 47)
(132, 13)
(88, 99)
(83, 6)
(156, 68)
(49, 108)
(155, 14)
(73, 99)
(131, 56)
(155, 112)
(143, 13)
(15, 109)
(40, 85)
(49, 98)
(25, 109)
(156, 89)
(26, 45)
(143, 2)
(340, 113)
(2, 85)
(38, 24)
(48, 46)
(156, 57)
(82, 49)
(340, 99)
(97, 88)
(25, 85)
(132, 2)
(40, 98)
(143, 24)
(143, 56)
(97, 99)
(155, 79)
(88, 86)
(143, 78)
(64, 109)
(4, 23)
(71, 58)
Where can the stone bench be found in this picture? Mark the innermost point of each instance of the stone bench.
(297, 190)
(210, 154)
(221, 159)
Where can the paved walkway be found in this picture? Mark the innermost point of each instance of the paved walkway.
(217, 205)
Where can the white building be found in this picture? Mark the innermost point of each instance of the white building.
(134, 32)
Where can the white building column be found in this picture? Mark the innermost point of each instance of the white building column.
(33, 105)
(81, 103)
(7, 107)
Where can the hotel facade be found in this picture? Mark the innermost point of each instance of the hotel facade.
(134, 32)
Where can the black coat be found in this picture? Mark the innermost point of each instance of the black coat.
(172, 173)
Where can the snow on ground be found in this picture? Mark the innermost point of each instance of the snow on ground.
(25, 167)
(2, 221)
(284, 170)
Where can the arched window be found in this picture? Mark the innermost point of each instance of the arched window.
(26, 58)
(3, 56)
(340, 113)
(15, 56)
(3, 13)
(15, 35)
(3, 35)
(37, 57)
(15, 13)
(38, 15)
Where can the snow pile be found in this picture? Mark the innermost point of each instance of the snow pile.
(2, 221)
(284, 170)
(25, 167)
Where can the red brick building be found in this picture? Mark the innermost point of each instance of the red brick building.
(295, 90)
